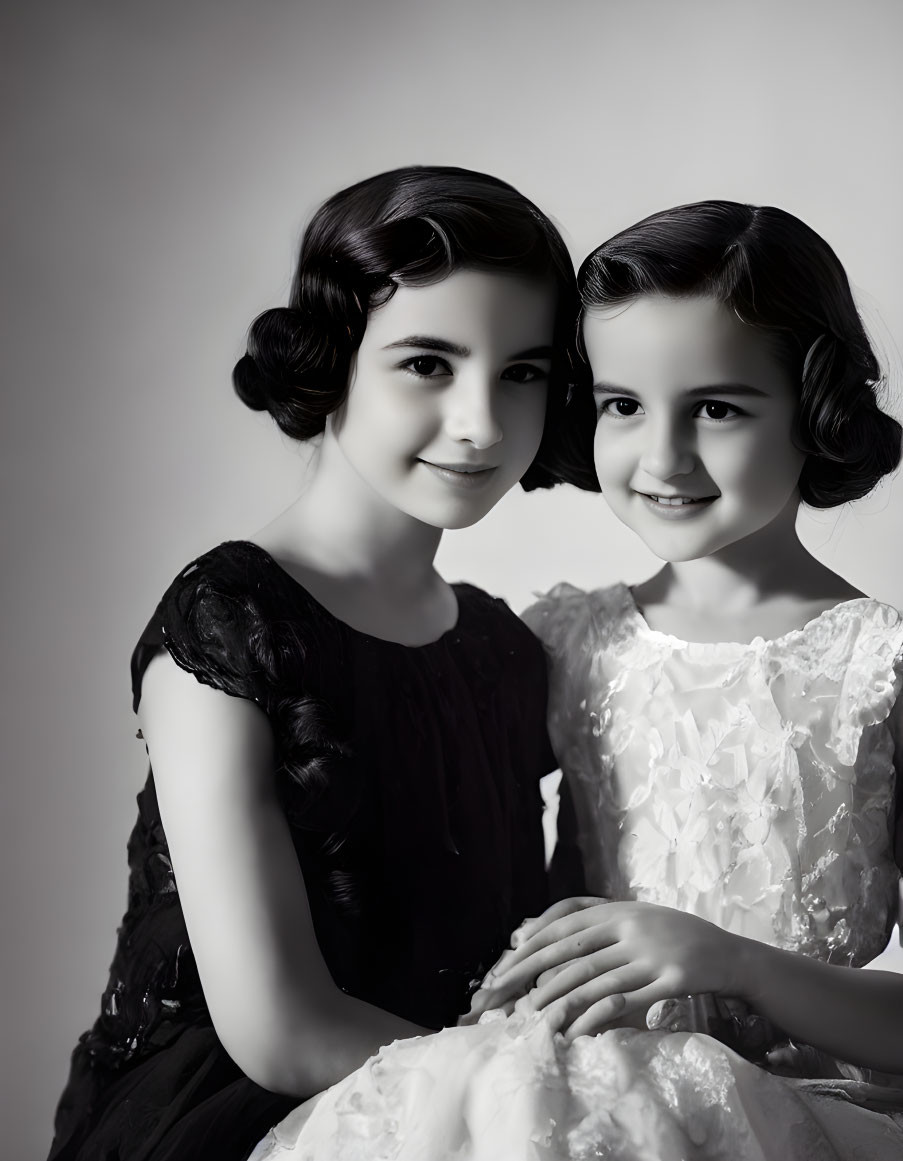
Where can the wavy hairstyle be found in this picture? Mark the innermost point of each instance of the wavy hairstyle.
(780, 276)
(408, 227)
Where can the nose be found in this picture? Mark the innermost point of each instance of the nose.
(471, 412)
(669, 450)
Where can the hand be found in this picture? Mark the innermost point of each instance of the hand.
(480, 1001)
(589, 963)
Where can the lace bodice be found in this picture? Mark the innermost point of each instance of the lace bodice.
(751, 784)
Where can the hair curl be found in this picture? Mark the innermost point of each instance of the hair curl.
(408, 227)
(780, 276)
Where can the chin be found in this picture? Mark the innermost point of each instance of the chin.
(680, 554)
(450, 520)
(465, 519)
(681, 557)
(673, 551)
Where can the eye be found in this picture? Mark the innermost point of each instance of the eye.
(524, 373)
(426, 366)
(717, 410)
(621, 407)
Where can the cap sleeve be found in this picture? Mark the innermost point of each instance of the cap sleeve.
(208, 621)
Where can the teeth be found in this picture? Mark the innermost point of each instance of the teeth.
(673, 501)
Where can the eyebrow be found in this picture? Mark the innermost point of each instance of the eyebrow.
(735, 389)
(443, 346)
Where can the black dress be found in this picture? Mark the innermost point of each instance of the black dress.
(409, 778)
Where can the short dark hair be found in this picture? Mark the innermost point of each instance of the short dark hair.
(778, 275)
(408, 227)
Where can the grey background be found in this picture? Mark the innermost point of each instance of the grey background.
(160, 161)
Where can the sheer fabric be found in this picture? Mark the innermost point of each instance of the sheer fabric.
(750, 784)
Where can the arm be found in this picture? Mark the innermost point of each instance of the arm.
(852, 1014)
(272, 1000)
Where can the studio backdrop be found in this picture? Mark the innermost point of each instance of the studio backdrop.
(160, 163)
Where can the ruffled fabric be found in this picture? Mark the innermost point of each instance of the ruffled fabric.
(750, 784)
(508, 1090)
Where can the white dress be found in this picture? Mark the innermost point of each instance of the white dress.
(750, 784)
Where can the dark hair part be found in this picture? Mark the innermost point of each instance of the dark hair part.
(778, 275)
(409, 227)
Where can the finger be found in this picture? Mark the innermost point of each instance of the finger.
(524, 1006)
(504, 960)
(473, 1016)
(575, 974)
(487, 998)
(636, 999)
(581, 930)
(517, 933)
(596, 1018)
(531, 926)
(500, 966)
(522, 976)
(518, 936)
(570, 1008)
(550, 973)
(480, 1002)
(557, 911)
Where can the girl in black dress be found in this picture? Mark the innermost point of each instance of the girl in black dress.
(342, 826)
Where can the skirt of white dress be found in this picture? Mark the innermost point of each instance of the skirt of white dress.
(506, 1089)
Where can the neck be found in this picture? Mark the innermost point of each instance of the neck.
(770, 563)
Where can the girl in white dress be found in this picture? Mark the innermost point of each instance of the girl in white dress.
(728, 732)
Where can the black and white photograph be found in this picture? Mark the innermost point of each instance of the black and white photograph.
(453, 581)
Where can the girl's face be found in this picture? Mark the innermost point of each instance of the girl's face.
(693, 444)
(447, 394)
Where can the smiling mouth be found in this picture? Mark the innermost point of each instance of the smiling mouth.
(462, 475)
(677, 501)
(462, 469)
(676, 507)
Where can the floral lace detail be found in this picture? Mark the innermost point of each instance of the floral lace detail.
(750, 784)
(508, 1089)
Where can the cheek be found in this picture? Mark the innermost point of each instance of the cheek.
(612, 455)
(389, 418)
(769, 466)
